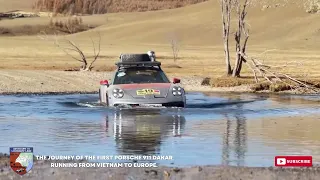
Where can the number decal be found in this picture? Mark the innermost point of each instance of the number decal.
(143, 92)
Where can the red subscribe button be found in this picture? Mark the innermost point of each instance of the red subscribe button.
(293, 161)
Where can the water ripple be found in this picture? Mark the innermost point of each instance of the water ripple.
(231, 129)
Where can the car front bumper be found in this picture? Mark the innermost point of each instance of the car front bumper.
(178, 101)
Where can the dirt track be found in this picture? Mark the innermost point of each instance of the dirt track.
(43, 170)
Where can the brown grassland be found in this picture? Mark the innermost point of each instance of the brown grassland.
(289, 34)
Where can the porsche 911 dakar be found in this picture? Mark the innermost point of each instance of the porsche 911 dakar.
(140, 81)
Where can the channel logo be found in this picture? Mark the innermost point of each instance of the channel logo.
(293, 161)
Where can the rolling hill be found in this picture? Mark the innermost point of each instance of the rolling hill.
(293, 32)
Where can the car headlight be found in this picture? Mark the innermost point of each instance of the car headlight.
(118, 93)
(177, 91)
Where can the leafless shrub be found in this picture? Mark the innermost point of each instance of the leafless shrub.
(71, 46)
(312, 6)
(205, 81)
(4, 31)
(72, 6)
(106, 6)
(71, 25)
(174, 44)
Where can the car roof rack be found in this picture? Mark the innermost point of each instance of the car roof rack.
(139, 64)
(137, 60)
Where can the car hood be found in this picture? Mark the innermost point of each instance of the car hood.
(161, 89)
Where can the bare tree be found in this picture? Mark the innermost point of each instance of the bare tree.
(226, 8)
(241, 32)
(241, 10)
(240, 7)
(73, 47)
(267, 72)
(174, 47)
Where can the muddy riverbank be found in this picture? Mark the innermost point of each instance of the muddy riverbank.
(42, 170)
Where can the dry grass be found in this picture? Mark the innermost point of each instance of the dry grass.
(280, 86)
(104, 6)
(291, 31)
(315, 82)
(25, 30)
(277, 87)
(69, 25)
(263, 85)
(226, 81)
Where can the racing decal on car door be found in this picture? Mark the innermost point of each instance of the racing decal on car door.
(143, 92)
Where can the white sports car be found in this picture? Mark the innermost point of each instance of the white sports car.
(140, 81)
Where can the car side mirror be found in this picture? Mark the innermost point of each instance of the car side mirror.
(176, 80)
(104, 82)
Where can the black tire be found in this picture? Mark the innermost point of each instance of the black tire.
(135, 58)
(107, 100)
(100, 95)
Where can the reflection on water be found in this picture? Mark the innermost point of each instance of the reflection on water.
(143, 132)
(229, 129)
(236, 134)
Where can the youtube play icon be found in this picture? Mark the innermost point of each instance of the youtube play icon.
(281, 161)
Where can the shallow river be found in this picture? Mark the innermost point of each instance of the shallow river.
(233, 129)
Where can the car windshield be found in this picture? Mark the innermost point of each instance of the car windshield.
(140, 75)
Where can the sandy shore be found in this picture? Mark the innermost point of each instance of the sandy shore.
(42, 170)
(24, 81)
